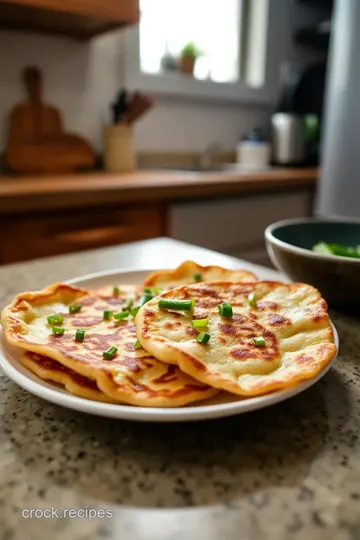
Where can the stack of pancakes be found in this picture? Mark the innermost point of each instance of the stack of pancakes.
(99, 347)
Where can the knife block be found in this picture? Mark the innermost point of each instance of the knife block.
(119, 148)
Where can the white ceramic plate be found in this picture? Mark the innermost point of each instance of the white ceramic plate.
(216, 407)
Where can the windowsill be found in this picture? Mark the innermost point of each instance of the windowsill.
(179, 85)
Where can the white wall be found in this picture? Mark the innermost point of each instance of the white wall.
(82, 79)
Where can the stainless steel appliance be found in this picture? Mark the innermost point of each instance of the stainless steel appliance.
(288, 144)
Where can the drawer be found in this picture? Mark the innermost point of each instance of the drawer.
(29, 237)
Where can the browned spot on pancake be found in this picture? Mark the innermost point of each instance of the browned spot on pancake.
(115, 301)
(149, 313)
(264, 305)
(85, 321)
(302, 359)
(171, 325)
(176, 314)
(253, 316)
(221, 340)
(241, 354)
(190, 331)
(279, 320)
(131, 363)
(228, 329)
(87, 301)
(207, 303)
(168, 376)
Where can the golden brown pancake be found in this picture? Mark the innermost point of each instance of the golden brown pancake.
(291, 319)
(50, 370)
(191, 272)
(133, 376)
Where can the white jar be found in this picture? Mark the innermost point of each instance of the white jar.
(253, 154)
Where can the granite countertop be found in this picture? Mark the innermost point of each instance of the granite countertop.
(288, 472)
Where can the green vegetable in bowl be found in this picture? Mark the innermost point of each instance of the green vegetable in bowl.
(337, 249)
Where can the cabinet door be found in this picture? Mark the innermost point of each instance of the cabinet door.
(29, 237)
(231, 225)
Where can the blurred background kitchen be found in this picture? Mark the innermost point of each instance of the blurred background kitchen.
(202, 122)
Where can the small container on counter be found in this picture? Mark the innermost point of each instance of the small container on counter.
(253, 150)
(118, 148)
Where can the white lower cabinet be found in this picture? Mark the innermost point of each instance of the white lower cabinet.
(236, 226)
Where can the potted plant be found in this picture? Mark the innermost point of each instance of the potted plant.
(188, 56)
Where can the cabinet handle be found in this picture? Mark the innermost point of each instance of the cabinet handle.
(91, 236)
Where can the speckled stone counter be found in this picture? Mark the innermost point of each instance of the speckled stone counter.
(288, 472)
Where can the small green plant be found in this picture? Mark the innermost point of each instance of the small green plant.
(190, 50)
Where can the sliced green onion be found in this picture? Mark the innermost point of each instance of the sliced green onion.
(157, 290)
(110, 353)
(137, 344)
(58, 331)
(197, 277)
(134, 311)
(122, 315)
(193, 302)
(225, 310)
(146, 297)
(116, 290)
(75, 308)
(198, 323)
(147, 290)
(108, 314)
(259, 341)
(127, 305)
(79, 335)
(186, 305)
(203, 337)
(252, 299)
(55, 319)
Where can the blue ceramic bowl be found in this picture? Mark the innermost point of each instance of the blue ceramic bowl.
(289, 244)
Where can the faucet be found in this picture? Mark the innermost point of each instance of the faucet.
(206, 156)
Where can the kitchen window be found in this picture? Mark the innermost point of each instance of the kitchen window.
(228, 39)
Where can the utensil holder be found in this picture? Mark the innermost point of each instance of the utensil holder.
(118, 148)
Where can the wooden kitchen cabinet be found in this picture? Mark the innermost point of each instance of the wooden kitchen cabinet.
(77, 18)
(25, 237)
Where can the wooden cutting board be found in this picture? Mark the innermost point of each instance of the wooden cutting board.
(37, 142)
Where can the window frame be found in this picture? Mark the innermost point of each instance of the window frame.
(177, 85)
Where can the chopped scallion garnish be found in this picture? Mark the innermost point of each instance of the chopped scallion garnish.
(146, 297)
(116, 290)
(186, 305)
(203, 337)
(127, 305)
(75, 308)
(79, 335)
(259, 341)
(147, 290)
(197, 277)
(122, 315)
(198, 323)
(58, 331)
(157, 290)
(137, 344)
(110, 353)
(108, 314)
(252, 299)
(225, 310)
(55, 319)
(134, 311)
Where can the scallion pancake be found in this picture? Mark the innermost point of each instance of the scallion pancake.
(132, 376)
(277, 335)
